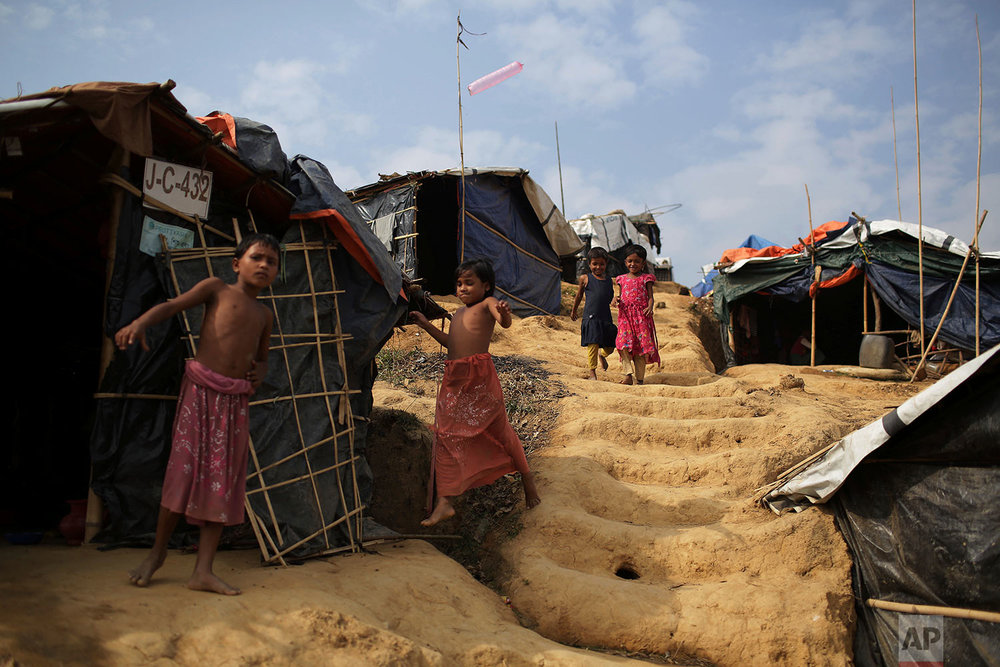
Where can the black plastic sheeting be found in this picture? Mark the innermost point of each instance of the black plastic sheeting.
(258, 146)
(921, 516)
(315, 190)
(901, 290)
(130, 441)
(393, 214)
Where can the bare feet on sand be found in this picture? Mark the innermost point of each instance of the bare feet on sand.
(593, 375)
(531, 497)
(604, 362)
(211, 583)
(141, 575)
(627, 380)
(443, 510)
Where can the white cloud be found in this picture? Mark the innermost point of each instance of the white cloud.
(834, 49)
(663, 49)
(38, 17)
(436, 148)
(573, 61)
(287, 96)
(5, 12)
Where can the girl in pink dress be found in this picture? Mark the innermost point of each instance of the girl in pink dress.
(636, 341)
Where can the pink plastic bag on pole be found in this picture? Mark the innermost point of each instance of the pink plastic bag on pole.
(493, 78)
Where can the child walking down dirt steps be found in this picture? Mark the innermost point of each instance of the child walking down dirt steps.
(206, 474)
(474, 443)
(597, 330)
(636, 340)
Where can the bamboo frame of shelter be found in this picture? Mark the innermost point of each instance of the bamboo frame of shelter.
(324, 342)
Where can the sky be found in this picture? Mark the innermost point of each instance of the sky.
(729, 108)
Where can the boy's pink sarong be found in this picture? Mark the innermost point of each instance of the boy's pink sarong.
(207, 471)
(474, 443)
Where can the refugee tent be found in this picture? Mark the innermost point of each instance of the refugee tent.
(73, 168)
(916, 496)
(645, 222)
(509, 220)
(614, 232)
(704, 286)
(762, 297)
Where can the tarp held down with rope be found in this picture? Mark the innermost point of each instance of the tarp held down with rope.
(916, 495)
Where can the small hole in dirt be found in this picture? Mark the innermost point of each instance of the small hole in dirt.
(626, 572)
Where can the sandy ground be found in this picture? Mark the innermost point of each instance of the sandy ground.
(646, 540)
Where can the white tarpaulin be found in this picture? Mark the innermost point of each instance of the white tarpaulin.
(821, 479)
(611, 232)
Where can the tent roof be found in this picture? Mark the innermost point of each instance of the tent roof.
(852, 237)
(136, 116)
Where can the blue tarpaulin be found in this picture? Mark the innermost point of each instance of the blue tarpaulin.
(704, 285)
(500, 226)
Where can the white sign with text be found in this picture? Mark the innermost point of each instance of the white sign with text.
(185, 189)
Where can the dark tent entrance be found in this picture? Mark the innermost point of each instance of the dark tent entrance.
(767, 327)
(52, 360)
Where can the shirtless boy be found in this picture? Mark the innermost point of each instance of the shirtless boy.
(206, 475)
(474, 443)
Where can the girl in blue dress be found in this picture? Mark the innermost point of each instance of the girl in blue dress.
(597, 330)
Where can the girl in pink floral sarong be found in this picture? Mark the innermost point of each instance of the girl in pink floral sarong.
(636, 341)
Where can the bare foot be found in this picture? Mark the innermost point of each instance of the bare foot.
(638, 381)
(212, 584)
(627, 380)
(141, 575)
(531, 497)
(593, 375)
(443, 510)
(604, 362)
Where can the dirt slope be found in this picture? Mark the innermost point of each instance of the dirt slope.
(646, 540)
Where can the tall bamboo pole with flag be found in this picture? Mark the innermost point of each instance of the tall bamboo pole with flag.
(477, 86)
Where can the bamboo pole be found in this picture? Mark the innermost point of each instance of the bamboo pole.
(461, 145)
(979, 166)
(920, 205)
(562, 197)
(157, 397)
(878, 312)
(322, 377)
(931, 610)
(954, 290)
(119, 160)
(895, 157)
(864, 304)
(816, 273)
(346, 413)
(115, 179)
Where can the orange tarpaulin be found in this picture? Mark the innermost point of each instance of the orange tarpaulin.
(818, 235)
(846, 276)
(220, 122)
